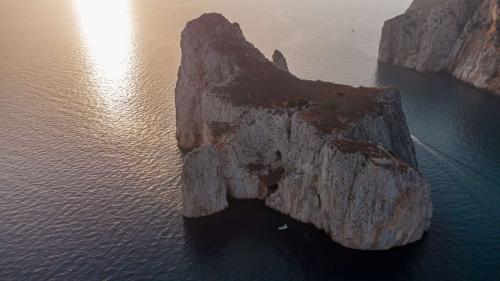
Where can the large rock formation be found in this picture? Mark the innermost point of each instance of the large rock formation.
(338, 157)
(461, 37)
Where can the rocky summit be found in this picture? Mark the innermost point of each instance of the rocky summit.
(337, 157)
(461, 37)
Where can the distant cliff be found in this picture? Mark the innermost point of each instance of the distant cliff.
(461, 37)
(338, 157)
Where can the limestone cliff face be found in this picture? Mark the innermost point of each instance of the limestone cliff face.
(460, 37)
(338, 157)
(217, 65)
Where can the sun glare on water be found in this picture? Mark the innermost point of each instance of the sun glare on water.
(105, 28)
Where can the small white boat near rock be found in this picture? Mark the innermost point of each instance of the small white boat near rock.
(283, 227)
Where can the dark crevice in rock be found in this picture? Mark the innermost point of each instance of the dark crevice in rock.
(272, 179)
(271, 189)
(289, 126)
(278, 155)
(319, 201)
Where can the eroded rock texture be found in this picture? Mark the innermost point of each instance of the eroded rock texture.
(338, 157)
(461, 37)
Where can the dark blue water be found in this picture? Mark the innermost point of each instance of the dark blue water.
(89, 168)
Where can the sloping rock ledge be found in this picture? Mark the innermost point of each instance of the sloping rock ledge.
(337, 157)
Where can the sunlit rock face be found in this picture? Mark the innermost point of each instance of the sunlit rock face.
(461, 37)
(338, 157)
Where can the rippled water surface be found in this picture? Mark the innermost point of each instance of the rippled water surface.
(89, 168)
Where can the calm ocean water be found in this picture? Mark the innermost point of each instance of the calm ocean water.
(89, 168)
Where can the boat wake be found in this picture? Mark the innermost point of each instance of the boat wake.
(477, 177)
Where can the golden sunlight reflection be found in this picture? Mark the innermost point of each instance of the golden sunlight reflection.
(106, 30)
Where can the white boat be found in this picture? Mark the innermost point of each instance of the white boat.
(283, 227)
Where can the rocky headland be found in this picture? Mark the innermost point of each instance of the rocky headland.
(338, 157)
(460, 37)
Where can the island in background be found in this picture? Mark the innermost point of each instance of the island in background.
(460, 37)
(338, 157)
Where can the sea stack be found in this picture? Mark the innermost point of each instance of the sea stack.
(279, 60)
(460, 37)
(334, 156)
